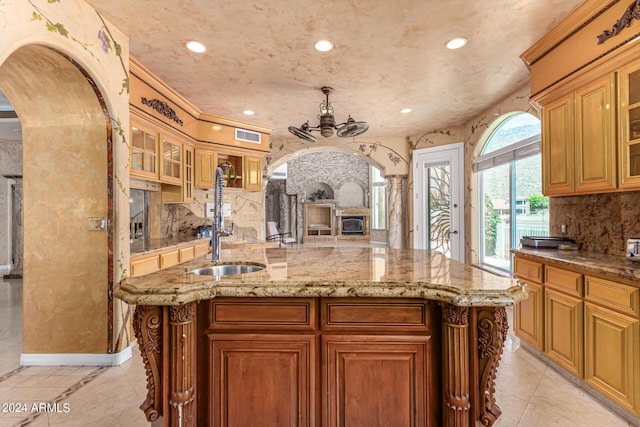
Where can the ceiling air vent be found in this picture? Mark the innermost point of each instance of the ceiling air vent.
(247, 136)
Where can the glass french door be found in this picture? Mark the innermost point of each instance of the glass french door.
(438, 219)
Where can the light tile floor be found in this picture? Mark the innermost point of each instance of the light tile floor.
(530, 393)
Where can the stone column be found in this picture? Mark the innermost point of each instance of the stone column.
(396, 223)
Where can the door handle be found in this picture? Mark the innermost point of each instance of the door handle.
(453, 232)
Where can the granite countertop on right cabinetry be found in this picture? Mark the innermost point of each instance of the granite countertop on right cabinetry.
(613, 265)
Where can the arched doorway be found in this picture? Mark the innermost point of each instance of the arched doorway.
(68, 205)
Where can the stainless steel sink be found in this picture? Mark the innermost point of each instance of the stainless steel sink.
(226, 269)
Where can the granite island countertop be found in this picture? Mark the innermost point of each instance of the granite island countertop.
(612, 265)
(327, 272)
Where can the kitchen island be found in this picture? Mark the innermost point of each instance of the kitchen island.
(322, 336)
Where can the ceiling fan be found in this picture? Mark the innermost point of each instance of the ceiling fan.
(327, 125)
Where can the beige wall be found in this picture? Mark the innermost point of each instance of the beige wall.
(66, 299)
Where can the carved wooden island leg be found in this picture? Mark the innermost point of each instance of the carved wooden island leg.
(492, 333)
(177, 376)
(455, 351)
(182, 369)
(147, 327)
(473, 340)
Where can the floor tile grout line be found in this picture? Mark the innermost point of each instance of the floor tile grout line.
(65, 394)
(12, 373)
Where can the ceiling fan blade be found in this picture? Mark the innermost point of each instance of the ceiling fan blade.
(302, 134)
(352, 128)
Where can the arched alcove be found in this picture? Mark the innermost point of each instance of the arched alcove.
(351, 195)
(68, 202)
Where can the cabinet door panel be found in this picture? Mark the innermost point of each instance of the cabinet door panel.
(252, 173)
(612, 350)
(262, 380)
(595, 137)
(558, 148)
(204, 167)
(629, 127)
(528, 317)
(564, 330)
(361, 373)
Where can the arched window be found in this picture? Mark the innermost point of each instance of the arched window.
(510, 183)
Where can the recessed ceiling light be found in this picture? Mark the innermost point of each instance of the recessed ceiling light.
(216, 127)
(323, 45)
(248, 112)
(196, 47)
(456, 43)
(406, 110)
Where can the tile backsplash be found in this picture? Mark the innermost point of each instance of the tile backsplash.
(599, 222)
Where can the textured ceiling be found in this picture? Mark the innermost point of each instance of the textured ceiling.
(388, 55)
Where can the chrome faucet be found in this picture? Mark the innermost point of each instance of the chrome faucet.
(217, 230)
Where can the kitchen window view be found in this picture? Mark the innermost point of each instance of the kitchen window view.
(510, 181)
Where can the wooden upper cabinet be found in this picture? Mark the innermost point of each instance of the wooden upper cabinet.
(629, 122)
(187, 172)
(595, 138)
(252, 173)
(205, 162)
(171, 162)
(579, 141)
(144, 152)
(558, 147)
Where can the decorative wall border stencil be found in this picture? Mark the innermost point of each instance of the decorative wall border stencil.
(162, 108)
(632, 12)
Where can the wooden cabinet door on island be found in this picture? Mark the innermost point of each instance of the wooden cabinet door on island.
(361, 373)
(262, 379)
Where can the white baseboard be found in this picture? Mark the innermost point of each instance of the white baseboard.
(5, 267)
(74, 359)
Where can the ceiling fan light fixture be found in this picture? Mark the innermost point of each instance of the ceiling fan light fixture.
(328, 126)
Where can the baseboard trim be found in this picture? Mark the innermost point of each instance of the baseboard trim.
(74, 359)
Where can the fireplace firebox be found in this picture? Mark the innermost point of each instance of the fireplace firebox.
(352, 225)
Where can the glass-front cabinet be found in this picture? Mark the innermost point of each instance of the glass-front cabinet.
(144, 152)
(171, 166)
(629, 153)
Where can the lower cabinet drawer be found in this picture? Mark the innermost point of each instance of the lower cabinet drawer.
(375, 315)
(169, 259)
(144, 265)
(187, 254)
(566, 281)
(527, 269)
(263, 314)
(613, 295)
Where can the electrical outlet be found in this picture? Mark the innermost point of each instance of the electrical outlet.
(563, 228)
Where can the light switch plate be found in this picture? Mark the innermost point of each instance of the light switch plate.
(209, 209)
(226, 210)
(97, 224)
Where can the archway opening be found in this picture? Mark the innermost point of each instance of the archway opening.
(67, 205)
